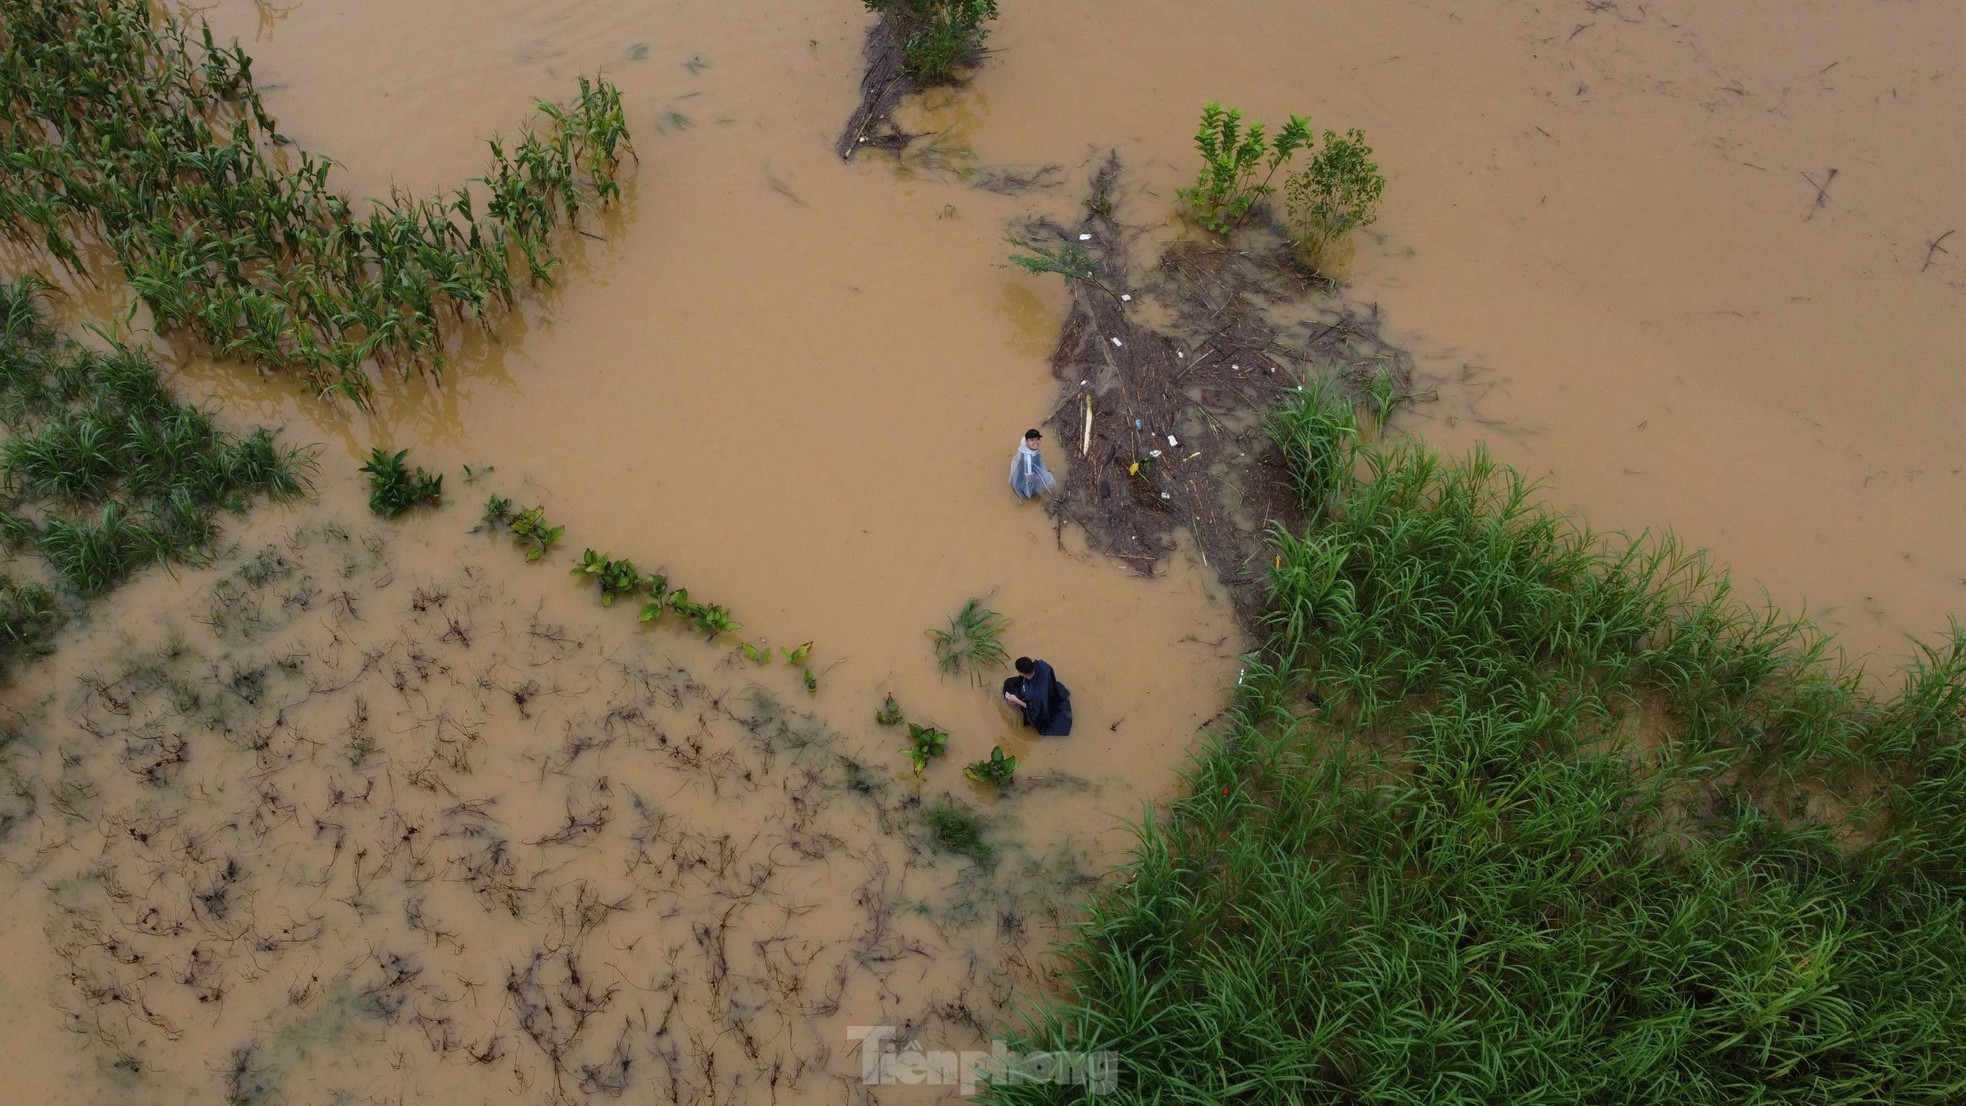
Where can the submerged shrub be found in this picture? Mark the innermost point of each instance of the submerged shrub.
(935, 35)
(1336, 193)
(957, 830)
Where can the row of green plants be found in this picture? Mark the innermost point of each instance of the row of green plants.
(127, 127)
(1427, 859)
(1337, 190)
(650, 592)
(395, 486)
(936, 36)
(102, 472)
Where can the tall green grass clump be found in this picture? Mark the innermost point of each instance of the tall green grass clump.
(101, 471)
(971, 641)
(1429, 858)
(129, 127)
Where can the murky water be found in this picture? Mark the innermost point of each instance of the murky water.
(796, 385)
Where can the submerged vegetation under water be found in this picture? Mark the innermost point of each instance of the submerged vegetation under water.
(1506, 811)
(130, 127)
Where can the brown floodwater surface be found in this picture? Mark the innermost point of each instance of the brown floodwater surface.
(795, 385)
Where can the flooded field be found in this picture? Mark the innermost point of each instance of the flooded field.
(380, 812)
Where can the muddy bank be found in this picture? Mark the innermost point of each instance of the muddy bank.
(1170, 364)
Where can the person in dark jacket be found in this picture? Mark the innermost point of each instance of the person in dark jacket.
(1045, 703)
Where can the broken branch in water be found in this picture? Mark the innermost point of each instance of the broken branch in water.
(1822, 192)
(1934, 247)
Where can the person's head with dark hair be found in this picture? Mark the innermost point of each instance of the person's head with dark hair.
(1025, 666)
(1031, 437)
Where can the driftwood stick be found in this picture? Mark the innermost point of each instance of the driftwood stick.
(1934, 247)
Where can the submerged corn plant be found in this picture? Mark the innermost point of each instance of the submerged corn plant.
(104, 472)
(925, 743)
(29, 616)
(1424, 860)
(394, 487)
(130, 127)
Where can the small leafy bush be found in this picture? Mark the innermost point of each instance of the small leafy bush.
(1338, 191)
(395, 488)
(530, 525)
(498, 512)
(925, 743)
(935, 35)
(1227, 187)
(999, 769)
(616, 578)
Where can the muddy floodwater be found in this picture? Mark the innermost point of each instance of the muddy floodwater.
(380, 812)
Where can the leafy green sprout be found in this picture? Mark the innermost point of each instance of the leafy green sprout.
(658, 592)
(498, 512)
(925, 743)
(998, 769)
(531, 526)
(889, 712)
(616, 578)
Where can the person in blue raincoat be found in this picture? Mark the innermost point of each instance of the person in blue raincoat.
(1044, 702)
(1028, 476)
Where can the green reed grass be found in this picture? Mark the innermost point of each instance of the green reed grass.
(1425, 863)
(129, 127)
(969, 644)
